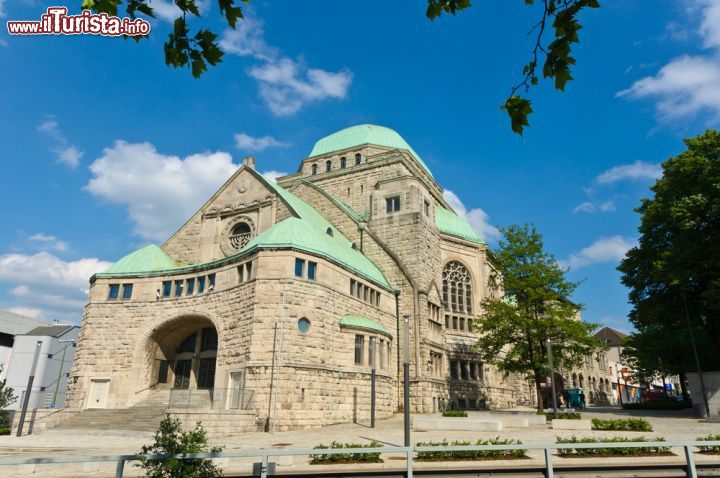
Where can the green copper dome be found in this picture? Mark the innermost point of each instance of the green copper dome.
(451, 224)
(148, 259)
(364, 134)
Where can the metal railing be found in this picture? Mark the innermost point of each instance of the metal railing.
(409, 452)
(210, 398)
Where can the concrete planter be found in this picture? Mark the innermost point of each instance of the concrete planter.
(466, 424)
(572, 424)
(712, 387)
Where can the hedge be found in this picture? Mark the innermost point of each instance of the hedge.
(710, 450)
(562, 415)
(620, 451)
(454, 413)
(373, 457)
(629, 425)
(471, 454)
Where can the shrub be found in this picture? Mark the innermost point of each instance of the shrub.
(4, 423)
(471, 454)
(562, 415)
(711, 450)
(657, 405)
(630, 425)
(373, 457)
(171, 440)
(454, 413)
(620, 451)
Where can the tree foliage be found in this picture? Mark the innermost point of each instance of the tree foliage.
(200, 49)
(515, 328)
(7, 395)
(676, 266)
(171, 440)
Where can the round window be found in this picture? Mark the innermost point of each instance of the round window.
(304, 325)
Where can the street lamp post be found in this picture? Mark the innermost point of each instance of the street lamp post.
(552, 376)
(406, 377)
(31, 379)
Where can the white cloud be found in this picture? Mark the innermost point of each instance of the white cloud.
(587, 206)
(605, 249)
(608, 206)
(66, 153)
(159, 191)
(478, 219)
(248, 40)
(687, 85)
(47, 287)
(245, 142)
(638, 170)
(272, 175)
(50, 242)
(285, 85)
(166, 10)
(48, 272)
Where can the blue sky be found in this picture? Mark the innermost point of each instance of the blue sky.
(105, 149)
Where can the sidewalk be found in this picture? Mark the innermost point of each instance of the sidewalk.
(669, 425)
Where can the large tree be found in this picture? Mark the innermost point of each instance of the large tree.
(535, 307)
(551, 53)
(674, 272)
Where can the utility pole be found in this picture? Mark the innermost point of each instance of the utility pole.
(31, 379)
(552, 376)
(372, 397)
(697, 358)
(406, 378)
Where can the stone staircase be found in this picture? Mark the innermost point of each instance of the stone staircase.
(143, 416)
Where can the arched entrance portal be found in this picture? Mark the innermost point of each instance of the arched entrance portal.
(184, 354)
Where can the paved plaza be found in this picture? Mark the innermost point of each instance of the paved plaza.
(669, 425)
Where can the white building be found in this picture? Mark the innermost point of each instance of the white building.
(57, 349)
(12, 324)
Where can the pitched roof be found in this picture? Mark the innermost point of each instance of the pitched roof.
(148, 259)
(360, 322)
(451, 224)
(364, 134)
(51, 331)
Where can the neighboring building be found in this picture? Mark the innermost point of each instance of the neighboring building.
(281, 297)
(55, 358)
(12, 324)
(613, 339)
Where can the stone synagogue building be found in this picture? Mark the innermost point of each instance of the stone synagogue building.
(279, 299)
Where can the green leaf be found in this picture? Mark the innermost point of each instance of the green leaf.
(518, 109)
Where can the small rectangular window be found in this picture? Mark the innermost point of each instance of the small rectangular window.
(178, 288)
(299, 267)
(352, 287)
(427, 208)
(365, 294)
(190, 286)
(389, 354)
(377, 299)
(114, 291)
(201, 284)
(371, 352)
(359, 291)
(372, 296)
(248, 275)
(359, 345)
(462, 323)
(241, 273)
(211, 282)
(312, 267)
(470, 325)
(167, 288)
(393, 204)
(455, 322)
(381, 358)
(127, 291)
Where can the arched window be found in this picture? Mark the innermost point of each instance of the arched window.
(328, 165)
(314, 169)
(240, 235)
(358, 157)
(457, 288)
(343, 162)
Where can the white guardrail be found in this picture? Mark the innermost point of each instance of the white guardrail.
(265, 455)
